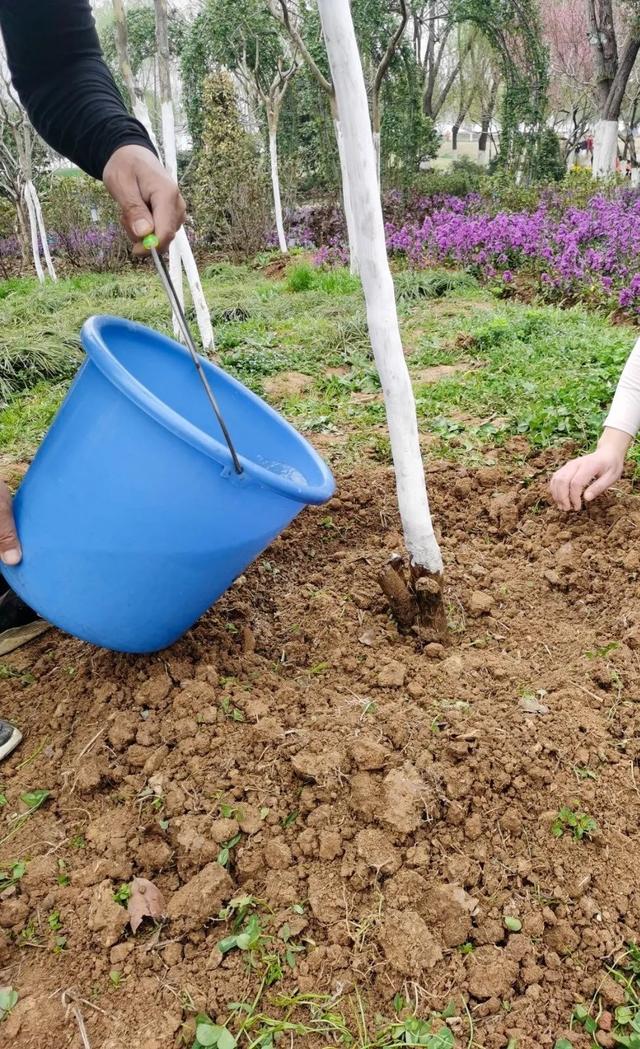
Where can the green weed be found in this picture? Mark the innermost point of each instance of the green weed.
(122, 895)
(301, 277)
(12, 875)
(572, 821)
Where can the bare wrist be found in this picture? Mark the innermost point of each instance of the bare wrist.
(615, 442)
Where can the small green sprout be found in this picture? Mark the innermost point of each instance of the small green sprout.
(572, 821)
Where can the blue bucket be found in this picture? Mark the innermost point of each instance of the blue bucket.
(132, 518)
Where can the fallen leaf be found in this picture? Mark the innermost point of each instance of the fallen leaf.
(145, 901)
(368, 637)
(531, 705)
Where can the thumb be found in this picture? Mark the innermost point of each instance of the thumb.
(136, 217)
(10, 552)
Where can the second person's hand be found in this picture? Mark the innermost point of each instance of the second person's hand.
(589, 476)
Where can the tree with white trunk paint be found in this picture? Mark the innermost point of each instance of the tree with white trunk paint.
(613, 71)
(284, 12)
(272, 98)
(137, 100)
(382, 316)
(180, 253)
(380, 27)
(17, 169)
(249, 43)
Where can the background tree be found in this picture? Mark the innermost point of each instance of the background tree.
(613, 69)
(249, 42)
(17, 140)
(434, 42)
(180, 253)
(513, 29)
(298, 23)
(380, 27)
(226, 146)
(572, 88)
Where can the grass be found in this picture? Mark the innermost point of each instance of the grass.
(539, 371)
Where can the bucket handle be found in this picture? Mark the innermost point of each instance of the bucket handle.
(151, 243)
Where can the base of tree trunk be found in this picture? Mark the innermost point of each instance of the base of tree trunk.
(415, 599)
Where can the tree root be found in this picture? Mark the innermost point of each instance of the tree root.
(416, 599)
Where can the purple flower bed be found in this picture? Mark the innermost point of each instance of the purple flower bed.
(573, 252)
(587, 252)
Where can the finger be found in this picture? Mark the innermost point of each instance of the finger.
(581, 479)
(10, 551)
(560, 485)
(600, 485)
(137, 218)
(169, 212)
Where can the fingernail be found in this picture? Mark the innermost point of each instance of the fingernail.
(12, 557)
(141, 228)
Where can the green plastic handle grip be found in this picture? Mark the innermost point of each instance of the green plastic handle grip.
(150, 241)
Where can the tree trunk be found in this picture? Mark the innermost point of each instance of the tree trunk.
(346, 196)
(612, 76)
(33, 231)
(360, 164)
(31, 190)
(454, 137)
(180, 254)
(485, 124)
(483, 142)
(138, 105)
(376, 123)
(168, 134)
(272, 120)
(23, 230)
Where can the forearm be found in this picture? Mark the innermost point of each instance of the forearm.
(624, 414)
(64, 83)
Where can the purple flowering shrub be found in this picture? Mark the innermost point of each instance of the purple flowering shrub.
(570, 243)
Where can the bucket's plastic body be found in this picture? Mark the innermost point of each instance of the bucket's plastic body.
(132, 519)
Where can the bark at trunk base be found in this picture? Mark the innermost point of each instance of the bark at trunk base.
(454, 137)
(417, 601)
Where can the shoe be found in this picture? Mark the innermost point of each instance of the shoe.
(10, 738)
(19, 624)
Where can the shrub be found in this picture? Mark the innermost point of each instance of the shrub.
(229, 193)
(83, 224)
(463, 177)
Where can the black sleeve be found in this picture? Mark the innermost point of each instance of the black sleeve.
(64, 83)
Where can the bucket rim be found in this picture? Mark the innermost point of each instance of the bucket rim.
(94, 338)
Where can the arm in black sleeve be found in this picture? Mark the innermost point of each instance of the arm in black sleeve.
(64, 83)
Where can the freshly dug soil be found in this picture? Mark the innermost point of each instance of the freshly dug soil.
(393, 804)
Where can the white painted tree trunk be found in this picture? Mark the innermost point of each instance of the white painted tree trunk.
(30, 189)
(377, 282)
(180, 253)
(141, 112)
(33, 231)
(275, 183)
(346, 198)
(377, 145)
(605, 148)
